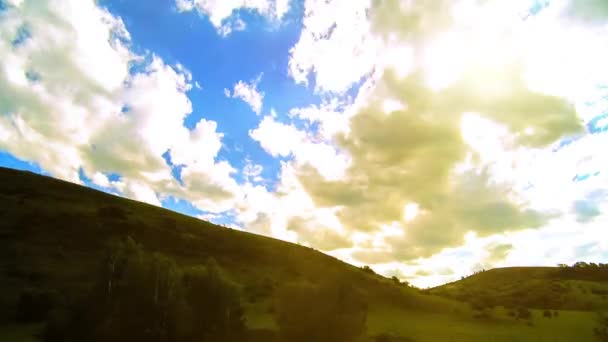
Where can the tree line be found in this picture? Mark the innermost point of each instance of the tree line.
(142, 296)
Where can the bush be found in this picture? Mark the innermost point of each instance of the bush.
(368, 270)
(547, 314)
(599, 291)
(601, 331)
(34, 305)
(217, 314)
(333, 311)
(141, 296)
(524, 313)
(484, 313)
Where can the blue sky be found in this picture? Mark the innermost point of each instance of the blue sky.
(191, 40)
(350, 127)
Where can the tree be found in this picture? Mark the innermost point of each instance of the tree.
(601, 331)
(368, 269)
(332, 311)
(217, 314)
(142, 296)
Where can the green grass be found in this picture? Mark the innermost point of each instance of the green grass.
(535, 287)
(568, 326)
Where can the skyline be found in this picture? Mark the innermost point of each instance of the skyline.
(427, 141)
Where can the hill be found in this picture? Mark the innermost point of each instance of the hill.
(53, 235)
(54, 232)
(579, 287)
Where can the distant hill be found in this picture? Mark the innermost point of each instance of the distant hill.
(579, 287)
(53, 235)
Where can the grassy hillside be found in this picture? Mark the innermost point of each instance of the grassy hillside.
(584, 287)
(53, 235)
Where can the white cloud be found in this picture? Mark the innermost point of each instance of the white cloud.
(507, 150)
(284, 140)
(101, 180)
(249, 93)
(276, 138)
(332, 120)
(112, 121)
(234, 25)
(253, 171)
(335, 46)
(289, 213)
(221, 14)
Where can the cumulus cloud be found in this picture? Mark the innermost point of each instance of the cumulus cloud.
(335, 46)
(285, 140)
(69, 102)
(465, 88)
(277, 138)
(288, 212)
(253, 171)
(223, 14)
(249, 93)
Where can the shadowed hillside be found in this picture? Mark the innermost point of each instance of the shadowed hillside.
(54, 236)
(54, 232)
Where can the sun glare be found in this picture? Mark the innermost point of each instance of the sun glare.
(410, 211)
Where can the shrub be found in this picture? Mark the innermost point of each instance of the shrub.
(524, 313)
(333, 311)
(484, 313)
(599, 291)
(368, 269)
(601, 331)
(547, 314)
(141, 296)
(216, 311)
(34, 305)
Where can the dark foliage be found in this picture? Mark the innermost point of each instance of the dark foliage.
(524, 313)
(35, 304)
(482, 314)
(333, 311)
(601, 331)
(585, 271)
(141, 296)
(54, 240)
(368, 270)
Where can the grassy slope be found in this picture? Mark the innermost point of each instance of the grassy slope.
(52, 236)
(535, 287)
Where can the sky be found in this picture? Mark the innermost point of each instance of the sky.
(426, 139)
